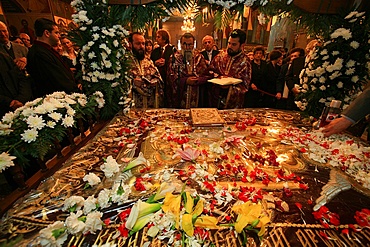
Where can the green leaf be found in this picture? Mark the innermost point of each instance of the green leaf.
(57, 232)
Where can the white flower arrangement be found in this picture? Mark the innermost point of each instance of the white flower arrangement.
(339, 68)
(104, 59)
(34, 128)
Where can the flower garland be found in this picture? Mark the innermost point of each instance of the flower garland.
(34, 128)
(104, 59)
(248, 3)
(339, 68)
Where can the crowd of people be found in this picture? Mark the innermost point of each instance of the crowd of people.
(266, 81)
(162, 76)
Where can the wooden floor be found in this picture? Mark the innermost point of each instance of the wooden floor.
(53, 165)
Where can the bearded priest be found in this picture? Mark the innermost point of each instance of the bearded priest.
(147, 83)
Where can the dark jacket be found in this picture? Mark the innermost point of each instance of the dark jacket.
(13, 84)
(205, 54)
(292, 76)
(157, 54)
(49, 72)
(271, 77)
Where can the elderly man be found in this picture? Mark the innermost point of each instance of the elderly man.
(26, 40)
(231, 63)
(185, 73)
(160, 56)
(49, 71)
(16, 51)
(147, 82)
(209, 53)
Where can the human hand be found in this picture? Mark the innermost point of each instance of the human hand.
(21, 62)
(295, 90)
(160, 62)
(14, 104)
(192, 80)
(278, 95)
(336, 126)
(254, 87)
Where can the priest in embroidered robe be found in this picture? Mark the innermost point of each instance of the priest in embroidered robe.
(185, 73)
(146, 81)
(231, 63)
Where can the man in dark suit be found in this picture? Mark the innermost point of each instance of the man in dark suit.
(209, 53)
(15, 88)
(49, 72)
(16, 51)
(160, 56)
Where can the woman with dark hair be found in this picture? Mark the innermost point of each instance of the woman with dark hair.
(16, 39)
(148, 48)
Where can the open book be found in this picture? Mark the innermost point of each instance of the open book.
(206, 117)
(225, 81)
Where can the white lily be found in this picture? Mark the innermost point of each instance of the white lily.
(140, 210)
(132, 218)
(140, 160)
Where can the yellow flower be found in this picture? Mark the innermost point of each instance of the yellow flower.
(198, 208)
(250, 214)
(189, 203)
(187, 224)
(206, 222)
(171, 204)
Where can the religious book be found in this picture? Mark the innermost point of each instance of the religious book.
(225, 81)
(206, 117)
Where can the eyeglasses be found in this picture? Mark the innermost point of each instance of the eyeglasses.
(207, 42)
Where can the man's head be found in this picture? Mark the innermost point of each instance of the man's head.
(276, 57)
(47, 31)
(162, 37)
(296, 52)
(236, 42)
(208, 43)
(258, 53)
(187, 42)
(137, 42)
(4, 33)
(26, 39)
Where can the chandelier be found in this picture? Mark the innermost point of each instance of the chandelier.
(188, 25)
